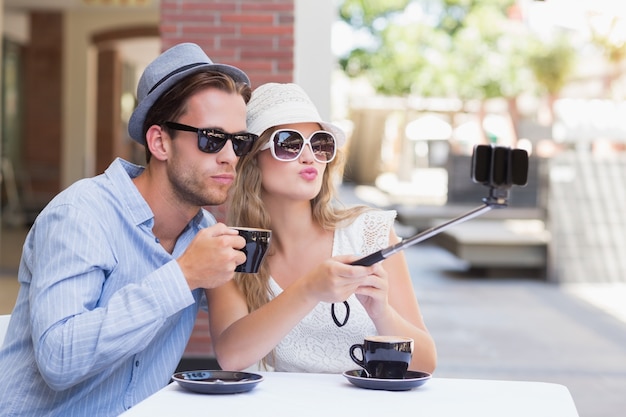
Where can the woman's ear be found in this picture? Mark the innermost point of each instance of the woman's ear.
(157, 144)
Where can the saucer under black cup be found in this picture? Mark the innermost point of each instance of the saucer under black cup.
(412, 379)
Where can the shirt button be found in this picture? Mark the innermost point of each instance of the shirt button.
(137, 363)
(157, 240)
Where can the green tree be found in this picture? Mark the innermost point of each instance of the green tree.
(553, 63)
(488, 60)
(613, 45)
(363, 14)
(450, 50)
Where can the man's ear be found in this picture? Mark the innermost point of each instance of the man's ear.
(158, 145)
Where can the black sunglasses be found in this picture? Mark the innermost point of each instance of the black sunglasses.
(213, 140)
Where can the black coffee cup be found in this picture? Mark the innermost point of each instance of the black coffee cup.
(385, 357)
(257, 244)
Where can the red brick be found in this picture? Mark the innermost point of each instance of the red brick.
(262, 78)
(272, 55)
(267, 6)
(285, 66)
(215, 6)
(258, 65)
(258, 30)
(247, 42)
(247, 18)
(193, 28)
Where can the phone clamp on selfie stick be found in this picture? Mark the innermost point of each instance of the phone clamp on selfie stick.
(496, 167)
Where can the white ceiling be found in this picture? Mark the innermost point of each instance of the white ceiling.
(139, 51)
(67, 4)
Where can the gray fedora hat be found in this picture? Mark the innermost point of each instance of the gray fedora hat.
(166, 70)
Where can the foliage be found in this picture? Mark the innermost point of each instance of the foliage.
(464, 48)
(364, 13)
(455, 14)
(552, 62)
(609, 41)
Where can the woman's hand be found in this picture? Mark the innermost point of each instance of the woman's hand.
(334, 280)
(374, 293)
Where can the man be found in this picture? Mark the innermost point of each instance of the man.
(113, 270)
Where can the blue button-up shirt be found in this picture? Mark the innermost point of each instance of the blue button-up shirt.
(103, 313)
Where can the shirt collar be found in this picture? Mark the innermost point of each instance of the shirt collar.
(121, 174)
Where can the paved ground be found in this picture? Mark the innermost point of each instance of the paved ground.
(509, 327)
(521, 329)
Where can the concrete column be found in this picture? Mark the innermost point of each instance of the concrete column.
(313, 57)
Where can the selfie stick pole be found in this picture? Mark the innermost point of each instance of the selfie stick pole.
(387, 252)
(497, 167)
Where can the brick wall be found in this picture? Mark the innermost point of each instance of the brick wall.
(254, 35)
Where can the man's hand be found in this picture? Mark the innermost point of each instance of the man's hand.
(211, 258)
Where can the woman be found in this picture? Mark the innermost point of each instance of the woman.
(282, 315)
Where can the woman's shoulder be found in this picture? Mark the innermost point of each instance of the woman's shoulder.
(375, 216)
(368, 232)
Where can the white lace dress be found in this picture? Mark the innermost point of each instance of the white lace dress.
(316, 344)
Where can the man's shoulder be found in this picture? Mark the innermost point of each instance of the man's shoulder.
(96, 194)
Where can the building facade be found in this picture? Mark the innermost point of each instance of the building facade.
(70, 69)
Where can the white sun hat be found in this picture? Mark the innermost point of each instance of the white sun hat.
(275, 104)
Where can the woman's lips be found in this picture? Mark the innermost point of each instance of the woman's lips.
(309, 174)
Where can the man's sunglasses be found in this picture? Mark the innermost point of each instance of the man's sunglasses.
(288, 144)
(213, 140)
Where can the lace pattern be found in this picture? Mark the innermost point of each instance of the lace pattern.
(316, 344)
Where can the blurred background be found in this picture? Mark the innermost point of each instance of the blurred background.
(415, 83)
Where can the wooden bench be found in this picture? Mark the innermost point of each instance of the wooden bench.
(498, 243)
(425, 216)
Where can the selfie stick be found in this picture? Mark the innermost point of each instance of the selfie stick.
(497, 167)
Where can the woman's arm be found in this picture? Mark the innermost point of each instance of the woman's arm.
(241, 339)
(393, 306)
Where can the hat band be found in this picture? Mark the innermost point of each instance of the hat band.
(171, 74)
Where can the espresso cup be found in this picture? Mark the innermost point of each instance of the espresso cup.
(385, 357)
(257, 244)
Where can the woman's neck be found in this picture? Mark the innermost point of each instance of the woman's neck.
(299, 244)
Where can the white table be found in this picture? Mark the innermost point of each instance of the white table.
(332, 395)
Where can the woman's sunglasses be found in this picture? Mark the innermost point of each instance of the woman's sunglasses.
(213, 140)
(288, 144)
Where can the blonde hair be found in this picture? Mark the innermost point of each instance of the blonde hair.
(246, 208)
